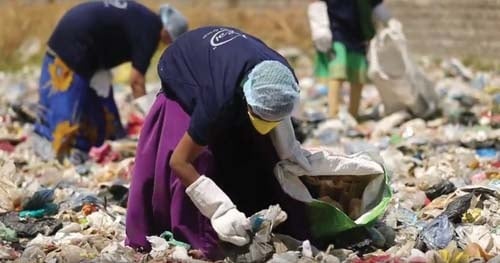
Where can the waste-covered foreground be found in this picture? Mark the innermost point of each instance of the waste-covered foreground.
(445, 178)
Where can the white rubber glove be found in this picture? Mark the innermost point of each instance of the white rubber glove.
(230, 224)
(320, 26)
(287, 146)
(394, 24)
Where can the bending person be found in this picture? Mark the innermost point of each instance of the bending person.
(205, 157)
(78, 110)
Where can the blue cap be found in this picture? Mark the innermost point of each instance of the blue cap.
(173, 21)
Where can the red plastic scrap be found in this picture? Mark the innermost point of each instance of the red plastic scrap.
(6, 146)
(88, 209)
(427, 201)
(134, 124)
(103, 154)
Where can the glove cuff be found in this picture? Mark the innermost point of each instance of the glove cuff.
(209, 198)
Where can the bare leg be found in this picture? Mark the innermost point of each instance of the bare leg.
(355, 99)
(334, 97)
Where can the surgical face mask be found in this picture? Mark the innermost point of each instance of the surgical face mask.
(262, 126)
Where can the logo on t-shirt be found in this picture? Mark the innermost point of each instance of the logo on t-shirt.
(122, 4)
(221, 36)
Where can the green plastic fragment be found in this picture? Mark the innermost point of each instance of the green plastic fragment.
(7, 234)
(167, 235)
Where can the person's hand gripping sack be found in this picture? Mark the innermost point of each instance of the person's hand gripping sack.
(287, 146)
(230, 224)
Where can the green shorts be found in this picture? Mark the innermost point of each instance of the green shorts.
(344, 65)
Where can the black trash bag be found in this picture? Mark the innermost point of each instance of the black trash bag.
(39, 199)
(116, 193)
(467, 101)
(359, 239)
(468, 118)
(457, 208)
(388, 233)
(442, 188)
(30, 227)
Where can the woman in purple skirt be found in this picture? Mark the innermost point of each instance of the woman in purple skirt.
(206, 153)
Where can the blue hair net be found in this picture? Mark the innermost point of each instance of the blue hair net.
(271, 90)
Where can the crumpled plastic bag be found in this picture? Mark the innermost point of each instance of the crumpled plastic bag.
(480, 234)
(286, 257)
(442, 188)
(10, 194)
(115, 252)
(159, 246)
(101, 220)
(437, 234)
(458, 207)
(7, 234)
(385, 125)
(30, 227)
(39, 199)
(8, 253)
(68, 254)
(32, 254)
(260, 247)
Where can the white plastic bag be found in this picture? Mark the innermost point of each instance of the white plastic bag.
(401, 84)
(101, 82)
(144, 103)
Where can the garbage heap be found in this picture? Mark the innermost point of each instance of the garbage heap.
(444, 174)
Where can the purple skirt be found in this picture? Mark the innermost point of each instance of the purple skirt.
(239, 160)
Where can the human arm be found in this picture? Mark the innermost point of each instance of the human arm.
(320, 25)
(137, 83)
(286, 145)
(144, 43)
(229, 223)
(183, 157)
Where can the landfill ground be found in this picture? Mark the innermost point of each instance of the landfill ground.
(444, 173)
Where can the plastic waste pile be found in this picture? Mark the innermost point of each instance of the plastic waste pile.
(444, 174)
(444, 169)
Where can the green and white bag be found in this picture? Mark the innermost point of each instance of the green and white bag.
(326, 220)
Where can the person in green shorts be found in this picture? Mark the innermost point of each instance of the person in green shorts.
(341, 30)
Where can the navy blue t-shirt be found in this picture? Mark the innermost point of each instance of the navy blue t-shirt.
(103, 34)
(203, 71)
(349, 22)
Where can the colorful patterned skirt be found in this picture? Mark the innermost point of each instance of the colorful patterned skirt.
(71, 114)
